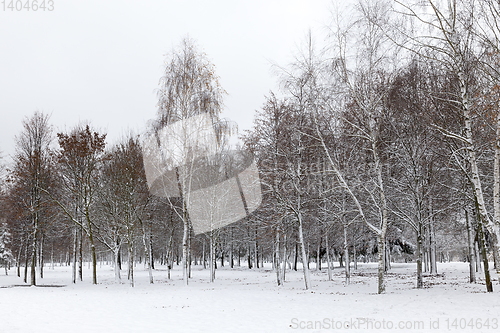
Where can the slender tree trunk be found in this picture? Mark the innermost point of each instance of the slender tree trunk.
(147, 253)
(231, 250)
(185, 222)
(277, 266)
(470, 239)
(328, 260)
(75, 247)
(346, 257)
(151, 249)
(482, 242)
(203, 255)
(52, 264)
(256, 259)
(170, 254)
(249, 257)
(189, 253)
(284, 259)
(308, 255)
(222, 253)
(116, 257)
(295, 260)
(93, 254)
(489, 285)
(381, 264)
(432, 240)
(478, 254)
(387, 260)
(33, 258)
(384, 220)
(496, 198)
(419, 255)
(40, 255)
(212, 257)
(80, 253)
(318, 254)
(303, 252)
(354, 256)
(185, 251)
(131, 263)
(26, 260)
(426, 250)
(34, 248)
(18, 261)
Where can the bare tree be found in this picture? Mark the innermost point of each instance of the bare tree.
(32, 173)
(80, 160)
(6, 256)
(417, 166)
(188, 88)
(124, 199)
(363, 62)
(452, 43)
(488, 31)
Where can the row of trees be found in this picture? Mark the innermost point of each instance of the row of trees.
(393, 125)
(383, 144)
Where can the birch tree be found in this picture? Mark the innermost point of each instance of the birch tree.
(362, 62)
(188, 88)
(31, 173)
(265, 141)
(488, 31)
(452, 43)
(124, 199)
(416, 151)
(6, 256)
(80, 159)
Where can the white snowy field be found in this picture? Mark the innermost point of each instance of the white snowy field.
(243, 300)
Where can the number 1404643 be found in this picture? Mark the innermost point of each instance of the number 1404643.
(27, 5)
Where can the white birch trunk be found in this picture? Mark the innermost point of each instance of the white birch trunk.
(185, 272)
(116, 254)
(307, 279)
(284, 259)
(131, 264)
(212, 257)
(277, 261)
(346, 258)
(496, 196)
(148, 256)
(384, 221)
(75, 246)
(419, 255)
(472, 259)
(328, 259)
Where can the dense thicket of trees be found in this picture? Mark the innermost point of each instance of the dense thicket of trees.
(383, 146)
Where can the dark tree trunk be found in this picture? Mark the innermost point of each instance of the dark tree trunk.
(482, 246)
(470, 247)
(296, 259)
(419, 256)
(80, 254)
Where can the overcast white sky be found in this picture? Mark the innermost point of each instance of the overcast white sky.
(101, 60)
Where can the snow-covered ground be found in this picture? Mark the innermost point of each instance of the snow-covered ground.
(243, 300)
